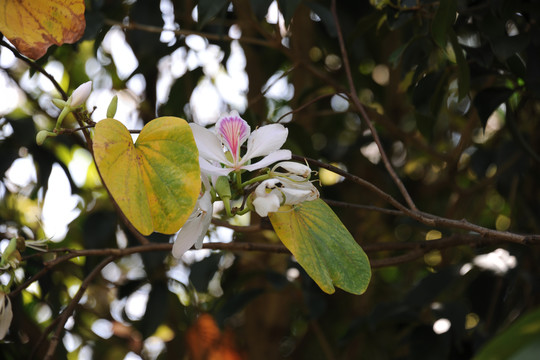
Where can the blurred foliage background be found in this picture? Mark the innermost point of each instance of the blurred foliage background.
(453, 89)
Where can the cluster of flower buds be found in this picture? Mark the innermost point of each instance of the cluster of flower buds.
(76, 100)
(222, 166)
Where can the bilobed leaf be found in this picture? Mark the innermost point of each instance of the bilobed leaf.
(520, 341)
(443, 21)
(155, 181)
(34, 25)
(323, 246)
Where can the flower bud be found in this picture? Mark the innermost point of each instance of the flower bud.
(80, 94)
(43, 135)
(59, 103)
(111, 110)
(223, 188)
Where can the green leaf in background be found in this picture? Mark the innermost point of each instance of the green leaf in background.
(488, 100)
(288, 8)
(464, 75)
(260, 8)
(323, 246)
(443, 21)
(155, 181)
(208, 9)
(521, 341)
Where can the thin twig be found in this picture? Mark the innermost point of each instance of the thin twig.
(303, 106)
(71, 307)
(363, 207)
(182, 32)
(353, 96)
(36, 67)
(422, 217)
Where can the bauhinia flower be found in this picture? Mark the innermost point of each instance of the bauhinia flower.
(219, 152)
(284, 188)
(197, 224)
(6, 314)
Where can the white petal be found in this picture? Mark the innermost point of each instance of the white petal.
(207, 208)
(206, 183)
(263, 189)
(265, 204)
(293, 168)
(208, 144)
(80, 94)
(297, 196)
(6, 314)
(213, 170)
(265, 140)
(268, 160)
(195, 228)
(188, 235)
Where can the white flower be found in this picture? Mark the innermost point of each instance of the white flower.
(273, 193)
(266, 200)
(498, 261)
(232, 131)
(80, 94)
(6, 314)
(197, 224)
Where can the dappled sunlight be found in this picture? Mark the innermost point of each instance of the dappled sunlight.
(169, 181)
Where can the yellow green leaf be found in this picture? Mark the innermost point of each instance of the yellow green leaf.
(155, 181)
(34, 25)
(323, 246)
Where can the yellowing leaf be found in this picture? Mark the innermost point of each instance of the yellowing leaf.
(323, 246)
(155, 181)
(34, 25)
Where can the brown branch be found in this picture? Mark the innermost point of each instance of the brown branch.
(181, 32)
(249, 228)
(36, 67)
(71, 307)
(363, 207)
(396, 260)
(358, 180)
(422, 217)
(424, 246)
(303, 106)
(261, 95)
(353, 96)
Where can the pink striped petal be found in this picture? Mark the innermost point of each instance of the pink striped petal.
(234, 131)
